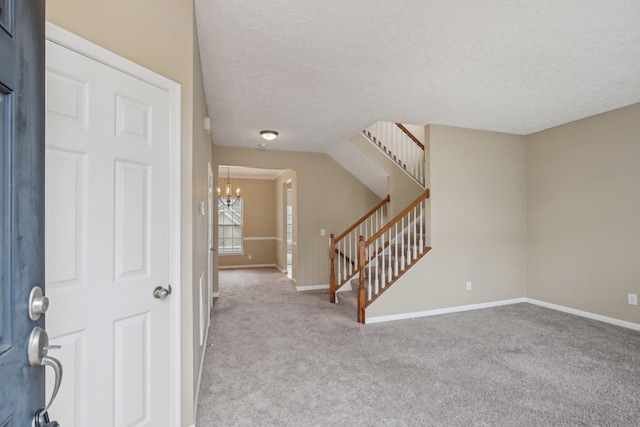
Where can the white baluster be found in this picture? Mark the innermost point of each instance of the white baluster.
(398, 152)
(376, 282)
(390, 269)
(338, 266)
(372, 221)
(369, 275)
(383, 276)
(395, 263)
(415, 234)
(409, 259)
(422, 203)
(402, 258)
(416, 149)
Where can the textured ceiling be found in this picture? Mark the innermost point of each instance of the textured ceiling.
(320, 71)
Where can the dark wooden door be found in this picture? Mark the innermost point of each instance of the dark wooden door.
(21, 203)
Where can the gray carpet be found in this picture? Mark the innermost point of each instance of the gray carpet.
(278, 357)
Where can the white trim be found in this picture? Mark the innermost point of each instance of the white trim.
(311, 288)
(569, 310)
(279, 239)
(593, 316)
(260, 238)
(234, 267)
(229, 253)
(439, 311)
(216, 295)
(72, 42)
(197, 395)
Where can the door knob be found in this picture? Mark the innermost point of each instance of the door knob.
(161, 293)
(38, 349)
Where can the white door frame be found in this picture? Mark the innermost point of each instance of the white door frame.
(209, 242)
(69, 40)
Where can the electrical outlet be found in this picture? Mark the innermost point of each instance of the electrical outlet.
(322, 232)
(468, 286)
(632, 299)
(250, 256)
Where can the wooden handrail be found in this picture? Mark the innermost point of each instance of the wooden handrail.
(395, 219)
(410, 135)
(365, 216)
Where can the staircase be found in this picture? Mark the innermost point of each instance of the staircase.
(373, 253)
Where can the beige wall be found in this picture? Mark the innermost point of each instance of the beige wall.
(259, 221)
(327, 196)
(583, 196)
(417, 131)
(160, 35)
(478, 225)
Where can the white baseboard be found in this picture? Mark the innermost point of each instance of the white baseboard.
(311, 288)
(601, 318)
(437, 311)
(234, 267)
(606, 319)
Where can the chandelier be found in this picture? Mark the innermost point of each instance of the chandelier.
(227, 198)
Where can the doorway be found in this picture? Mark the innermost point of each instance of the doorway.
(288, 226)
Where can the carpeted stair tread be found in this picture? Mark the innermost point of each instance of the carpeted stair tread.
(348, 299)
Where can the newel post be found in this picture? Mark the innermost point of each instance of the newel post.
(361, 291)
(332, 275)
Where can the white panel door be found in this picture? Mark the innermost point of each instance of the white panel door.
(107, 237)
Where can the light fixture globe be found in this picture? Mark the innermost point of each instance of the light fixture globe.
(269, 135)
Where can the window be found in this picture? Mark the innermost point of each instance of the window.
(230, 227)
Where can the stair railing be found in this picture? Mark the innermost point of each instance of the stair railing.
(343, 251)
(400, 145)
(385, 256)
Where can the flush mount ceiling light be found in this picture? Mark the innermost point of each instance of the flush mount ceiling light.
(269, 135)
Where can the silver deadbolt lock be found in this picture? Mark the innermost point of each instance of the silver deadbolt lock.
(38, 303)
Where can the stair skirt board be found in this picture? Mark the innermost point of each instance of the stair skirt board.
(311, 287)
(345, 288)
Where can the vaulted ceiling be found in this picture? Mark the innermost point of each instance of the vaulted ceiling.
(320, 71)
